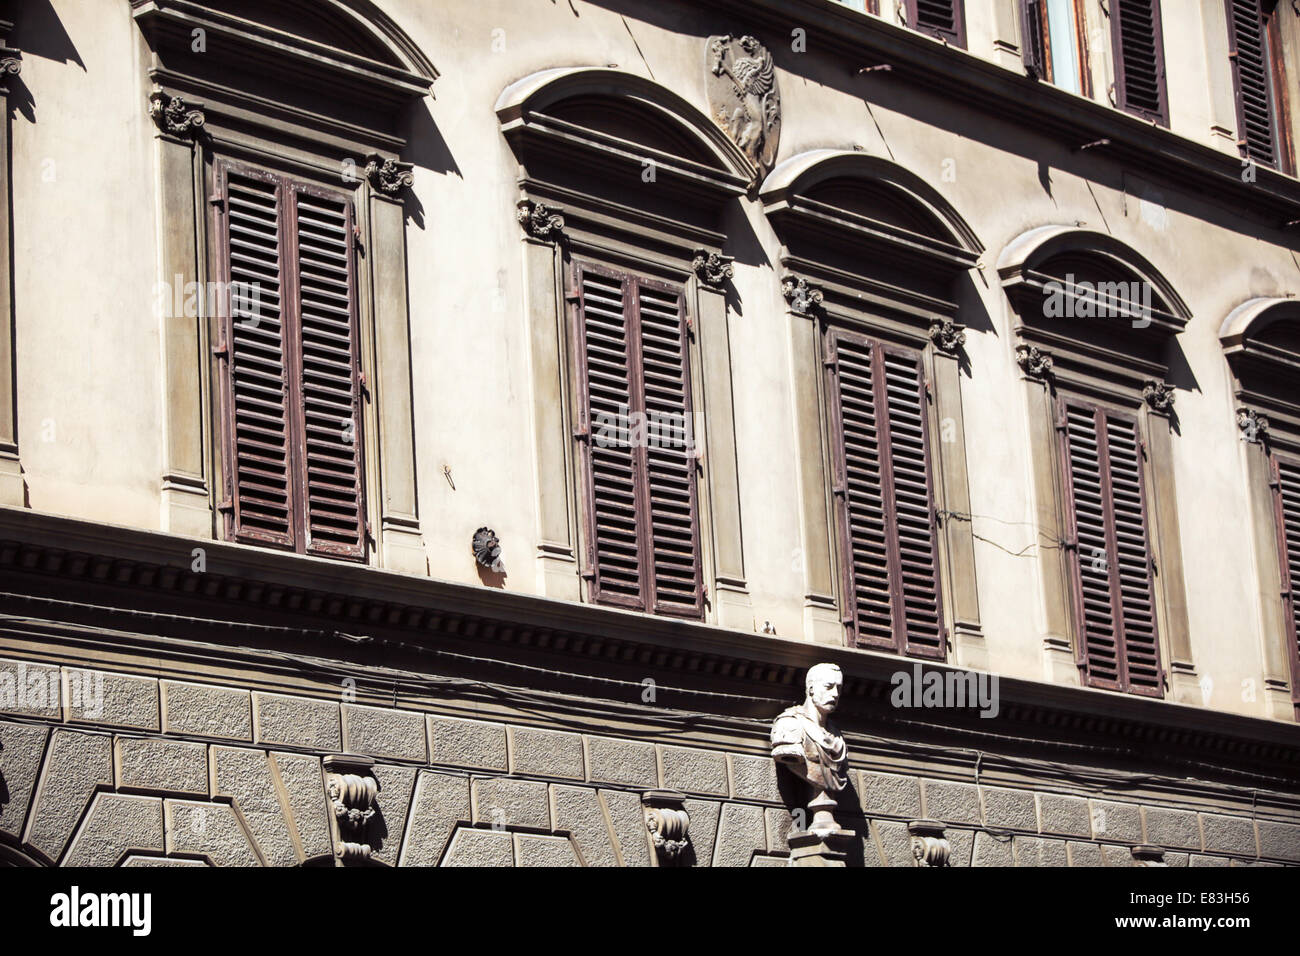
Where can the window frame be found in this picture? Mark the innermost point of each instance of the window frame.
(1282, 157)
(1290, 606)
(956, 37)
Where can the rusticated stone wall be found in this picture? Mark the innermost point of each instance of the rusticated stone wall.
(169, 771)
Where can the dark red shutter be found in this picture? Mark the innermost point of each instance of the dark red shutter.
(884, 502)
(1111, 555)
(1139, 58)
(669, 451)
(636, 425)
(613, 507)
(1286, 485)
(938, 18)
(259, 494)
(330, 393)
(1252, 80)
(1034, 38)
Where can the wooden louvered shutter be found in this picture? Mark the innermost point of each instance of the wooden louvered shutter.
(1102, 455)
(1286, 501)
(1252, 80)
(290, 365)
(884, 502)
(259, 489)
(938, 18)
(329, 403)
(1034, 44)
(673, 555)
(643, 546)
(1139, 58)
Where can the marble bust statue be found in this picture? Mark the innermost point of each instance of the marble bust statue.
(807, 742)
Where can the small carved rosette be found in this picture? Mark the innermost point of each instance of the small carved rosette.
(487, 550)
(929, 845)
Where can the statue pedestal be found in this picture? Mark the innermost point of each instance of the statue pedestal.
(822, 848)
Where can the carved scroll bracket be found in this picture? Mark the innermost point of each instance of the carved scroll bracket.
(1253, 425)
(948, 336)
(541, 221)
(353, 792)
(667, 821)
(389, 176)
(804, 297)
(1158, 395)
(929, 845)
(174, 116)
(713, 268)
(1036, 363)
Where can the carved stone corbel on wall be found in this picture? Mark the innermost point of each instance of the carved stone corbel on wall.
(929, 845)
(667, 821)
(174, 116)
(713, 268)
(1036, 363)
(948, 336)
(1149, 856)
(804, 297)
(1159, 396)
(540, 220)
(389, 176)
(353, 793)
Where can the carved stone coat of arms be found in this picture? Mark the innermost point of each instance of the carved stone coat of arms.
(744, 100)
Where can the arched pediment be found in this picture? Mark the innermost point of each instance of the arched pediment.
(1054, 271)
(620, 122)
(1261, 342)
(869, 189)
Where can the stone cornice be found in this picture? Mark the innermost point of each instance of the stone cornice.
(153, 571)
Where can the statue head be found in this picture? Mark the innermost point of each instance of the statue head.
(823, 687)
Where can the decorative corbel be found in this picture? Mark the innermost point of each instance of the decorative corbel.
(539, 220)
(713, 268)
(1253, 425)
(1158, 395)
(947, 336)
(804, 297)
(174, 116)
(667, 821)
(353, 791)
(929, 846)
(1034, 362)
(389, 176)
(11, 63)
(1148, 856)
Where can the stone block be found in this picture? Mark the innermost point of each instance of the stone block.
(1224, 834)
(167, 766)
(117, 824)
(1116, 821)
(75, 765)
(116, 700)
(532, 849)
(1010, 809)
(30, 689)
(480, 848)
(754, 778)
(610, 760)
(206, 710)
(890, 794)
(691, 770)
(546, 753)
(1172, 829)
(384, 732)
(459, 742)
(951, 802)
(297, 722)
(504, 802)
(441, 803)
(1064, 815)
(21, 748)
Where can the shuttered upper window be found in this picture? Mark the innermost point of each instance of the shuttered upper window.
(1252, 76)
(1110, 554)
(637, 432)
(289, 365)
(884, 503)
(1051, 42)
(938, 18)
(1139, 58)
(1286, 500)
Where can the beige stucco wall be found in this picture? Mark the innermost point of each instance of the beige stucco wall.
(88, 340)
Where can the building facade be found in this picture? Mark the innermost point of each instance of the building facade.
(446, 434)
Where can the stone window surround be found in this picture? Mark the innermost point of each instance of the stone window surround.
(1268, 419)
(907, 315)
(562, 222)
(198, 120)
(1130, 376)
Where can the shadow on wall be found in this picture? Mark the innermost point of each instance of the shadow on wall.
(39, 32)
(427, 149)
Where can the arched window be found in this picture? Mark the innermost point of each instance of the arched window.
(1261, 341)
(279, 123)
(1095, 323)
(622, 189)
(872, 259)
